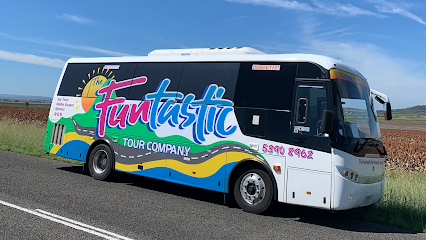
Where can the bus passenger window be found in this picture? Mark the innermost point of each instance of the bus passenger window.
(309, 70)
(76, 77)
(156, 73)
(118, 72)
(197, 77)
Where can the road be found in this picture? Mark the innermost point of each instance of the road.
(32, 189)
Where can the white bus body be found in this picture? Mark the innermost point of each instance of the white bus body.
(229, 120)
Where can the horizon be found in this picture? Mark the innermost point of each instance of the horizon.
(1, 94)
(384, 40)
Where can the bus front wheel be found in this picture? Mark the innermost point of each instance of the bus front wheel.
(101, 162)
(253, 190)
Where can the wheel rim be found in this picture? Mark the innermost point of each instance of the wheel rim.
(100, 161)
(252, 188)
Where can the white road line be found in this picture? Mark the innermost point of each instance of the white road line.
(204, 156)
(225, 147)
(116, 153)
(84, 130)
(215, 151)
(91, 132)
(247, 151)
(82, 224)
(78, 129)
(68, 222)
(140, 156)
(147, 153)
(131, 156)
(194, 158)
(122, 156)
(236, 147)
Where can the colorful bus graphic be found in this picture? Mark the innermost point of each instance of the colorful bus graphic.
(290, 128)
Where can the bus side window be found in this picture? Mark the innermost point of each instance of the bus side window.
(310, 102)
(197, 77)
(118, 72)
(75, 80)
(267, 89)
(264, 99)
(309, 70)
(156, 73)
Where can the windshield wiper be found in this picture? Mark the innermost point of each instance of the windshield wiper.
(358, 147)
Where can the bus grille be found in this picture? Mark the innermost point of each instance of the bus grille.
(58, 132)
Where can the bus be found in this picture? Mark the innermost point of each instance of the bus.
(294, 128)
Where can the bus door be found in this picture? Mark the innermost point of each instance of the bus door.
(309, 158)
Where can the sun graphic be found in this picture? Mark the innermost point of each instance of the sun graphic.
(97, 80)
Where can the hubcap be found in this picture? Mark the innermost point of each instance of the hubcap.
(100, 161)
(252, 188)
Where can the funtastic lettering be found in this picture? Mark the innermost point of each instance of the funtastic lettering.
(206, 115)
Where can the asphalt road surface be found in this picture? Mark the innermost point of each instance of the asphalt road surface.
(47, 199)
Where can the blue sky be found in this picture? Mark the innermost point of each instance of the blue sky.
(384, 40)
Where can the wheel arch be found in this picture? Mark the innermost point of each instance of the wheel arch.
(96, 143)
(254, 164)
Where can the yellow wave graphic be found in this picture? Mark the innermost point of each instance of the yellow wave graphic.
(71, 136)
(202, 170)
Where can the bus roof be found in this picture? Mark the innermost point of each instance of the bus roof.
(222, 55)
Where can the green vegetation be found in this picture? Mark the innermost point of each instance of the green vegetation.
(411, 113)
(403, 203)
(25, 138)
(23, 104)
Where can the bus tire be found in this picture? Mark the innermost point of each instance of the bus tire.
(253, 190)
(101, 162)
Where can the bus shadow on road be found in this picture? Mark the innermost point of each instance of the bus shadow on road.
(333, 219)
(337, 220)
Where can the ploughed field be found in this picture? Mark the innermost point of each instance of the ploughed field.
(25, 114)
(406, 148)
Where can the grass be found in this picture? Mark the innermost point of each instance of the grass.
(399, 118)
(25, 138)
(403, 203)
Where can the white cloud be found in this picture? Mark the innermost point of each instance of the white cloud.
(65, 45)
(278, 3)
(400, 79)
(404, 81)
(324, 7)
(396, 8)
(75, 18)
(32, 59)
(335, 8)
(59, 54)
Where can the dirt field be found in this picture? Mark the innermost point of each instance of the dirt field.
(403, 125)
(25, 114)
(23, 104)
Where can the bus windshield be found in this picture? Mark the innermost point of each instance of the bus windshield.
(357, 117)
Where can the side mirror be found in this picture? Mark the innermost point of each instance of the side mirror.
(388, 113)
(327, 121)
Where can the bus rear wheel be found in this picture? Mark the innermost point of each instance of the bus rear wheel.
(101, 162)
(253, 190)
